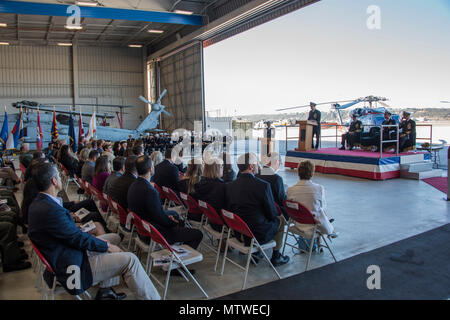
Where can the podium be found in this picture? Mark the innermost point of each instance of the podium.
(305, 135)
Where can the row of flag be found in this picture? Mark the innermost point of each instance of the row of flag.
(11, 140)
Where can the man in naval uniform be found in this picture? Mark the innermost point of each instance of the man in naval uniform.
(353, 134)
(408, 132)
(389, 133)
(315, 115)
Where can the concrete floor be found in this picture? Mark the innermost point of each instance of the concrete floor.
(368, 214)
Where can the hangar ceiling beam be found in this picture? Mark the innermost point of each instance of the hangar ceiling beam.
(60, 10)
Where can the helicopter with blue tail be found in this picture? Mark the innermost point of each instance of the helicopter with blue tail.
(29, 108)
(371, 115)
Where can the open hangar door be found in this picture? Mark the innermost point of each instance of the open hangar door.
(178, 67)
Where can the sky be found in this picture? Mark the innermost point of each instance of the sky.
(325, 52)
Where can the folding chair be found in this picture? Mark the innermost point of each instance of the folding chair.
(67, 178)
(300, 214)
(176, 261)
(234, 222)
(172, 197)
(122, 214)
(48, 292)
(113, 216)
(138, 243)
(97, 194)
(81, 185)
(192, 207)
(175, 202)
(23, 170)
(213, 217)
(161, 193)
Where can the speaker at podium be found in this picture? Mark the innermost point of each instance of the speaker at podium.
(305, 135)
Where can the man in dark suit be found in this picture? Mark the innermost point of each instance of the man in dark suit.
(143, 199)
(118, 189)
(251, 199)
(268, 174)
(166, 173)
(78, 258)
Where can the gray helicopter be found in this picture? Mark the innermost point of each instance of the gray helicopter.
(62, 120)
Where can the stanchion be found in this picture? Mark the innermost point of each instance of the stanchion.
(448, 174)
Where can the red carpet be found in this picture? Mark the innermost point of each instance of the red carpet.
(438, 183)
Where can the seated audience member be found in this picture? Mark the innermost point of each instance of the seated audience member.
(143, 199)
(166, 173)
(49, 151)
(138, 150)
(211, 188)
(123, 148)
(25, 156)
(115, 148)
(100, 146)
(53, 231)
(68, 161)
(188, 182)
(251, 199)
(108, 152)
(102, 171)
(30, 192)
(13, 258)
(87, 172)
(118, 170)
(312, 196)
(119, 188)
(34, 162)
(83, 157)
(228, 173)
(81, 145)
(156, 157)
(9, 175)
(191, 177)
(268, 173)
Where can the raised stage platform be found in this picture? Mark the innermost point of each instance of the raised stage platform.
(356, 163)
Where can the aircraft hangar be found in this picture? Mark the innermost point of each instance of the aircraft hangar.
(99, 55)
(122, 49)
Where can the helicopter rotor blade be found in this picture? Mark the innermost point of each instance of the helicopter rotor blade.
(161, 96)
(317, 104)
(145, 100)
(385, 105)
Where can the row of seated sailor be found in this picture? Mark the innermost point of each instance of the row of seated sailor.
(371, 140)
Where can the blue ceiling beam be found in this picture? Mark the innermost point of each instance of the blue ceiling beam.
(60, 10)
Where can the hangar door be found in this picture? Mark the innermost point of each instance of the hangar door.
(181, 74)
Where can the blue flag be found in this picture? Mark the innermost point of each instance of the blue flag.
(16, 134)
(4, 133)
(72, 140)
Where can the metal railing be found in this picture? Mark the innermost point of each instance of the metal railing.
(320, 137)
(388, 141)
(431, 132)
